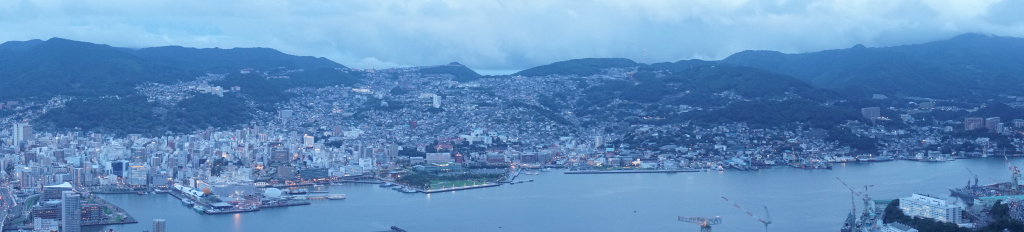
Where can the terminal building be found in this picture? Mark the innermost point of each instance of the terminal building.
(919, 205)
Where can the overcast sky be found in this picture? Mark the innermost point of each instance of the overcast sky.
(511, 34)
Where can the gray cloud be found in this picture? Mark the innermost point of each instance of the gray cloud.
(508, 34)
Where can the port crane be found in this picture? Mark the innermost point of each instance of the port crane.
(975, 178)
(1015, 173)
(869, 206)
(704, 223)
(766, 221)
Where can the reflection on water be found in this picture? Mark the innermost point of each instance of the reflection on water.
(238, 222)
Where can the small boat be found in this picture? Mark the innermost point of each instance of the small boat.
(386, 184)
(187, 202)
(336, 197)
(199, 209)
(408, 190)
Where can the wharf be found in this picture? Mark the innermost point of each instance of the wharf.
(286, 185)
(283, 204)
(631, 171)
(361, 181)
(511, 176)
(458, 188)
(230, 211)
(321, 197)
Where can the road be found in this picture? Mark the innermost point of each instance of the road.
(8, 202)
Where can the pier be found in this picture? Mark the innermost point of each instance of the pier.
(458, 188)
(631, 171)
(282, 204)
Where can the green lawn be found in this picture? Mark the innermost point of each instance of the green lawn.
(30, 202)
(439, 184)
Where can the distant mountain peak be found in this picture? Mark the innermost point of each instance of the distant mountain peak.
(20, 45)
(971, 36)
(579, 67)
(459, 71)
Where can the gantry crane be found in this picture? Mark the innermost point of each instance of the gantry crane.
(766, 221)
(704, 223)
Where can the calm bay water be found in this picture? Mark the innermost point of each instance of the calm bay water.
(798, 200)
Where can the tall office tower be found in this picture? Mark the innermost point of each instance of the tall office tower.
(71, 212)
(22, 132)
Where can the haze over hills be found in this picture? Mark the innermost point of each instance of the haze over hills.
(966, 66)
(229, 60)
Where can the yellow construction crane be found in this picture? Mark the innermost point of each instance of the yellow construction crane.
(766, 221)
(704, 223)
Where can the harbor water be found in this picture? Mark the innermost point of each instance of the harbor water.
(798, 200)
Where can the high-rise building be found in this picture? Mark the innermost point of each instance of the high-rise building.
(77, 175)
(994, 125)
(279, 156)
(71, 212)
(138, 174)
(308, 140)
(918, 205)
(435, 101)
(871, 113)
(22, 132)
(159, 225)
(286, 115)
(973, 123)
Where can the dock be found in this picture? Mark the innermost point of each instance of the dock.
(230, 211)
(631, 171)
(361, 181)
(321, 197)
(458, 188)
(283, 204)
